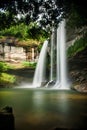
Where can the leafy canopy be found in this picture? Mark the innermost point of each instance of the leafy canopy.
(48, 12)
(25, 32)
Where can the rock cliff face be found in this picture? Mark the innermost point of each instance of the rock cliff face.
(78, 71)
(12, 52)
(17, 54)
(73, 34)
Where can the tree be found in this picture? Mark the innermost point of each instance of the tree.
(48, 12)
(7, 19)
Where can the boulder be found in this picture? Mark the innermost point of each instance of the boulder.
(6, 118)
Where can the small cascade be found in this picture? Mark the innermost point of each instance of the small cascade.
(40, 72)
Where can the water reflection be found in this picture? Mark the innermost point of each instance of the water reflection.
(38, 98)
(37, 109)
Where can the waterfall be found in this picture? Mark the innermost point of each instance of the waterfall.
(61, 63)
(39, 76)
(52, 56)
(58, 57)
(58, 78)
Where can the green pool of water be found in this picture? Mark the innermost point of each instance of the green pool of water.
(42, 109)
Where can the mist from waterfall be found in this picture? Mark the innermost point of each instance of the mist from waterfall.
(40, 72)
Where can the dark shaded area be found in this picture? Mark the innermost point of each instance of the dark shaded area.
(23, 72)
(23, 75)
(79, 62)
(78, 69)
(67, 129)
(7, 119)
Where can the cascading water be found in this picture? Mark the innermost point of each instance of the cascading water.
(61, 56)
(39, 76)
(58, 58)
(61, 64)
(61, 76)
(52, 56)
(52, 40)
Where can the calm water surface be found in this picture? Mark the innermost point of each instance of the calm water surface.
(41, 109)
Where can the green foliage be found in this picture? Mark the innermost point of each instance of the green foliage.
(78, 46)
(3, 67)
(7, 79)
(7, 19)
(24, 32)
(29, 64)
(39, 47)
(51, 11)
(17, 31)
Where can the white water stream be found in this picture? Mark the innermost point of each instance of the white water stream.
(61, 62)
(39, 76)
(61, 79)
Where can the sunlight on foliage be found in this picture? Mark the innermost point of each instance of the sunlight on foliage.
(29, 64)
(6, 78)
(24, 32)
(3, 67)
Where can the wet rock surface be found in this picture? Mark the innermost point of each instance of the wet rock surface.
(78, 71)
